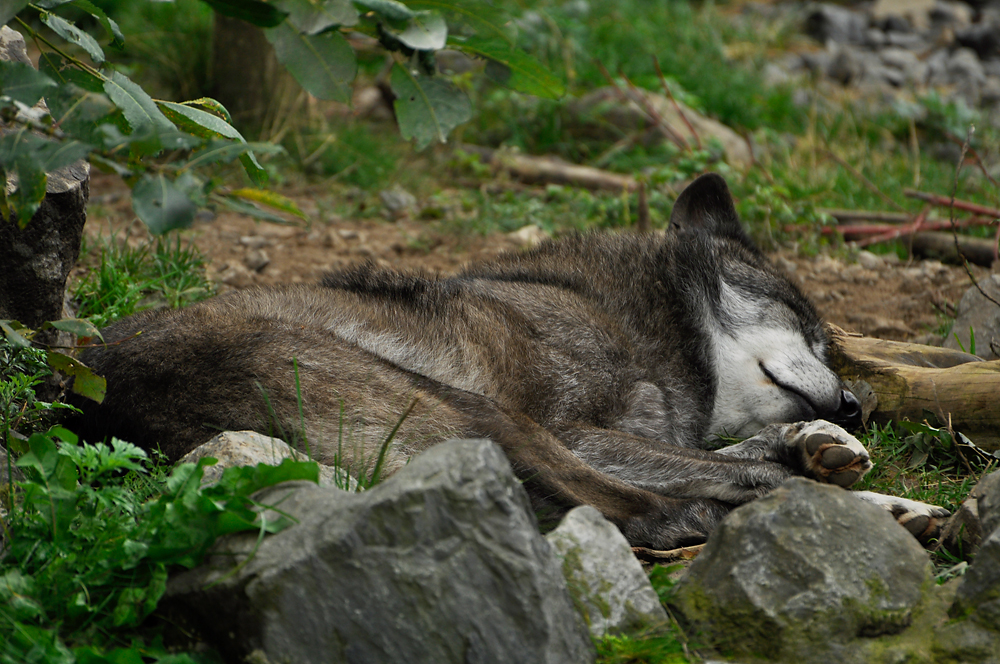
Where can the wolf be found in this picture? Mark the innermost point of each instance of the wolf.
(607, 367)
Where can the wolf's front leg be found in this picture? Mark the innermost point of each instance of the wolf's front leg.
(818, 449)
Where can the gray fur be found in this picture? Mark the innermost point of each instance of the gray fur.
(603, 365)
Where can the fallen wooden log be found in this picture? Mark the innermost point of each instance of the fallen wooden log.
(916, 382)
(549, 170)
(942, 247)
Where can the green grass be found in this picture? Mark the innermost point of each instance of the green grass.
(161, 273)
(924, 463)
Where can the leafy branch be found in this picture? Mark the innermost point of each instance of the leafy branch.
(161, 147)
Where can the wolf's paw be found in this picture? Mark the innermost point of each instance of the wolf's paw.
(830, 454)
(922, 520)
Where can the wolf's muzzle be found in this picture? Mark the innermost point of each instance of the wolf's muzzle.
(848, 415)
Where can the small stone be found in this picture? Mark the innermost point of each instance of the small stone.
(915, 12)
(870, 261)
(397, 201)
(529, 236)
(254, 241)
(249, 448)
(826, 23)
(256, 260)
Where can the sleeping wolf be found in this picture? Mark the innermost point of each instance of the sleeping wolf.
(605, 366)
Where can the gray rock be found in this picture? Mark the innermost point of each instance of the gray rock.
(826, 23)
(964, 532)
(982, 37)
(441, 563)
(902, 14)
(982, 316)
(978, 596)
(966, 73)
(803, 571)
(397, 201)
(847, 65)
(249, 448)
(607, 582)
(954, 15)
(913, 70)
(987, 495)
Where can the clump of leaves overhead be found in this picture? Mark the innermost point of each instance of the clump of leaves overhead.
(88, 549)
(160, 147)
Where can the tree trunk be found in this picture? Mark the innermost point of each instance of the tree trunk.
(35, 260)
(248, 80)
(916, 382)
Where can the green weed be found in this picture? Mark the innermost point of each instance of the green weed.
(86, 556)
(163, 273)
(921, 462)
(663, 644)
(22, 369)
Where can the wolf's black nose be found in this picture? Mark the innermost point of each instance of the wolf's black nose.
(849, 413)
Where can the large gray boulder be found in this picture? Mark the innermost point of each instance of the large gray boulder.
(800, 573)
(978, 313)
(606, 580)
(443, 562)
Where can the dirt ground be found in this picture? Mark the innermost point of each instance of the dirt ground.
(891, 299)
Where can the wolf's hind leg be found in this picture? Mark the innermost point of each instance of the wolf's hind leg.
(922, 520)
(818, 449)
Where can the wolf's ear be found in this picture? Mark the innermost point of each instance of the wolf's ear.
(706, 205)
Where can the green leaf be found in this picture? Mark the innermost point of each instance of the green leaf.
(31, 182)
(81, 113)
(323, 64)
(63, 71)
(249, 209)
(139, 108)
(78, 326)
(207, 125)
(427, 108)
(211, 106)
(74, 35)
(109, 25)
(13, 338)
(224, 151)
(512, 67)
(85, 382)
(486, 18)
(23, 82)
(390, 9)
(426, 31)
(161, 205)
(10, 8)
(254, 12)
(270, 199)
(314, 16)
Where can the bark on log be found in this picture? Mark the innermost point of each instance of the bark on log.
(917, 382)
(942, 246)
(547, 170)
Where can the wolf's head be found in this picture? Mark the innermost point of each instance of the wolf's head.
(768, 345)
